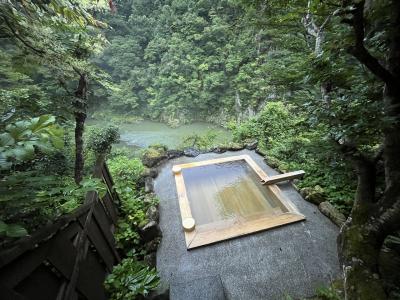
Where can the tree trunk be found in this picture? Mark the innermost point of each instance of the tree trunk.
(359, 249)
(361, 238)
(80, 118)
(371, 221)
(359, 242)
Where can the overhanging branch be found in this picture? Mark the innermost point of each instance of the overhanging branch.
(359, 51)
(16, 35)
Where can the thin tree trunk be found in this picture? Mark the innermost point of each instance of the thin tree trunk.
(80, 118)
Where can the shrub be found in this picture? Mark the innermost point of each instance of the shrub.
(126, 171)
(101, 139)
(201, 142)
(134, 202)
(291, 145)
(131, 278)
(133, 215)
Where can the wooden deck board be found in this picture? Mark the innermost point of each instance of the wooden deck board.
(284, 177)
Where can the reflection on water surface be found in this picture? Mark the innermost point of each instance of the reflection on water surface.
(230, 190)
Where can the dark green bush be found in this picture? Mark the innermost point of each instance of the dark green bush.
(100, 140)
(134, 202)
(291, 145)
(131, 278)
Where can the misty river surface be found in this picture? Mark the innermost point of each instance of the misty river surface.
(145, 133)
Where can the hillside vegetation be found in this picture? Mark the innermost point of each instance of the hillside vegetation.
(316, 83)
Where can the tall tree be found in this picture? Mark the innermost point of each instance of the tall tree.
(373, 217)
(60, 34)
(356, 49)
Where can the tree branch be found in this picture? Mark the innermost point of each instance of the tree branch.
(37, 51)
(64, 86)
(359, 51)
(389, 220)
(366, 173)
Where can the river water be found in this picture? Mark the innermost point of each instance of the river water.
(145, 133)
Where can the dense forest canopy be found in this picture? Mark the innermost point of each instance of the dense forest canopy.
(178, 61)
(316, 83)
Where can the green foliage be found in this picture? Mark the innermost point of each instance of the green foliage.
(131, 278)
(100, 140)
(248, 130)
(133, 215)
(134, 203)
(36, 186)
(328, 294)
(70, 196)
(201, 142)
(12, 230)
(33, 198)
(176, 62)
(22, 139)
(291, 144)
(126, 170)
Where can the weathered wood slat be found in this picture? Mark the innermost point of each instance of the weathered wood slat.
(110, 208)
(12, 274)
(64, 263)
(106, 229)
(283, 177)
(100, 243)
(9, 294)
(49, 257)
(31, 242)
(91, 278)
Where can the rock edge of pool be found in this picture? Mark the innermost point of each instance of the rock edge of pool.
(293, 260)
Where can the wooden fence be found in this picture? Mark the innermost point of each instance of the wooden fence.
(68, 259)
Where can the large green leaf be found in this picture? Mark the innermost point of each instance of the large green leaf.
(42, 122)
(6, 139)
(14, 230)
(21, 138)
(22, 153)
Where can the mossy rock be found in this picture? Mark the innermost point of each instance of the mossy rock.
(252, 145)
(314, 195)
(389, 264)
(332, 213)
(171, 154)
(153, 155)
(150, 172)
(232, 146)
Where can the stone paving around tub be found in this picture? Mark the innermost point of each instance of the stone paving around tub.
(292, 260)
